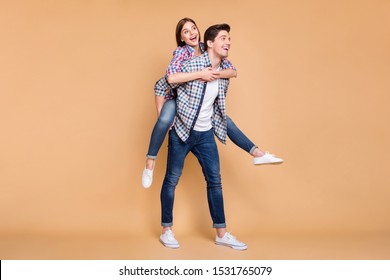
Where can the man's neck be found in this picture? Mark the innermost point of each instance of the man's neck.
(215, 60)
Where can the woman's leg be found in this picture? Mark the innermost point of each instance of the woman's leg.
(164, 122)
(241, 140)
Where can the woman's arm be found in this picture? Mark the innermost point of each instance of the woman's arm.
(161, 89)
(229, 70)
(159, 100)
(228, 73)
(206, 74)
(181, 77)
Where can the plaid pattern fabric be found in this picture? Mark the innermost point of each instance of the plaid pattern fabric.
(180, 55)
(162, 88)
(190, 97)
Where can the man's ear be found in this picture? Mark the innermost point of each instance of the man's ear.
(210, 44)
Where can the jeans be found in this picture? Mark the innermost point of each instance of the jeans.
(238, 137)
(165, 120)
(203, 146)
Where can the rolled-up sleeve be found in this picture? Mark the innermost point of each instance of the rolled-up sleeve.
(161, 87)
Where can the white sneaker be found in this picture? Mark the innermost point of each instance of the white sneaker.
(230, 241)
(168, 240)
(267, 159)
(147, 178)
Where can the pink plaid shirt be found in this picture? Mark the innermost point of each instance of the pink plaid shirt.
(180, 55)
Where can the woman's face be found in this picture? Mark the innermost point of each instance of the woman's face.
(190, 34)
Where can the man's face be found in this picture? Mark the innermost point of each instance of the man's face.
(221, 44)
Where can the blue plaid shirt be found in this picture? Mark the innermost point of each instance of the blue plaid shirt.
(190, 98)
(180, 55)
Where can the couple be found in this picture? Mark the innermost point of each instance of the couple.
(194, 92)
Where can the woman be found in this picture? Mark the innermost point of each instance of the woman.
(189, 46)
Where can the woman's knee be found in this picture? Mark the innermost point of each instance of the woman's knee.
(168, 113)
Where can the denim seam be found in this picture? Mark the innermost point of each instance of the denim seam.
(151, 157)
(253, 149)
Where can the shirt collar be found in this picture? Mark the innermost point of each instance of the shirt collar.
(207, 59)
(191, 49)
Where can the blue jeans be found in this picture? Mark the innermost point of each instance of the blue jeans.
(165, 120)
(238, 137)
(203, 146)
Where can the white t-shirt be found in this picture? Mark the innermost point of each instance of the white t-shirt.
(203, 123)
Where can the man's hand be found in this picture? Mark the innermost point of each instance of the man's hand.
(173, 123)
(209, 75)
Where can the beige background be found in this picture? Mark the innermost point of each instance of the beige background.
(77, 109)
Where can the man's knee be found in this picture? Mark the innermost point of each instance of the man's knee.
(172, 178)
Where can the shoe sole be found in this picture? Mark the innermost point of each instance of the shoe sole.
(271, 163)
(172, 246)
(240, 248)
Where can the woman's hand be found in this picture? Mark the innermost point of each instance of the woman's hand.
(208, 74)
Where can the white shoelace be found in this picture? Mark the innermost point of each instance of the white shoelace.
(169, 235)
(230, 236)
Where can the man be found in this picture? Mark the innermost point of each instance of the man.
(201, 113)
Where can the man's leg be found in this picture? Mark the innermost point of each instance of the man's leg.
(206, 152)
(177, 152)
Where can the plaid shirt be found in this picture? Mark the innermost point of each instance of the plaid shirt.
(180, 55)
(190, 98)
